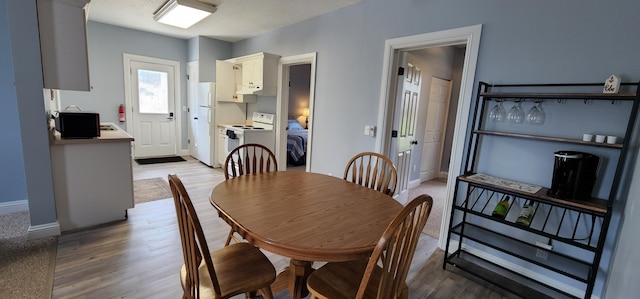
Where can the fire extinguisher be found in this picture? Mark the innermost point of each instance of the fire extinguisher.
(121, 113)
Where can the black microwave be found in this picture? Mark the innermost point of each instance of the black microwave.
(78, 124)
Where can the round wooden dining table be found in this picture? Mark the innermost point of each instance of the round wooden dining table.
(306, 217)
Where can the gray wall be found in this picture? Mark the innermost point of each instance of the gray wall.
(526, 42)
(32, 119)
(458, 65)
(299, 83)
(533, 42)
(12, 180)
(106, 44)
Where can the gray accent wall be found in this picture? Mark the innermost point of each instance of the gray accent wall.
(525, 42)
(12, 180)
(32, 119)
(543, 41)
(106, 45)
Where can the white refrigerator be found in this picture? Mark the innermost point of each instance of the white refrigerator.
(210, 114)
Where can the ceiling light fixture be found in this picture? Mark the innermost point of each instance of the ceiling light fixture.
(183, 13)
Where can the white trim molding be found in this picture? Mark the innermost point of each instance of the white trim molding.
(43, 230)
(14, 207)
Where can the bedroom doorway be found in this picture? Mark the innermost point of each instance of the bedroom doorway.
(290, 70)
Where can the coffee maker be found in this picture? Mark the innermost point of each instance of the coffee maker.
(574, 174)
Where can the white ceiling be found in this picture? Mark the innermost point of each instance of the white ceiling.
(233, 21)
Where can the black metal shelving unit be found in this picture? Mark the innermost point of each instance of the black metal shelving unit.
(555, 220)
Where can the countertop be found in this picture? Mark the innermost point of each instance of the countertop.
(116, 135)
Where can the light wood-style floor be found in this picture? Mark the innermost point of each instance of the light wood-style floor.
(141, 257)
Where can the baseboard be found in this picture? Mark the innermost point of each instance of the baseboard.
(43, 230)
(520, 270)
(414, 183)
(14, 207)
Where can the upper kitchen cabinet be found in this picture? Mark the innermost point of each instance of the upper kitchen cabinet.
(229, 82)
(259, 74)
(63, 44)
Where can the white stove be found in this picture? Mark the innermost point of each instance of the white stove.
(260, 131)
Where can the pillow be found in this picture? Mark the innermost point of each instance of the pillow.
(294, 125)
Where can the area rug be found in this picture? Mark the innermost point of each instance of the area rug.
(146, 190)
(26, 266)
(159, 160)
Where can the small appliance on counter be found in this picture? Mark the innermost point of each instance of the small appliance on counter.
(77, 124)
(574, 174)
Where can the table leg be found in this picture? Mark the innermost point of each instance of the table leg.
(298, 273)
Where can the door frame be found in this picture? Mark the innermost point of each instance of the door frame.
(192, 104)
(127, 59)
(469, 36)
(282, 106)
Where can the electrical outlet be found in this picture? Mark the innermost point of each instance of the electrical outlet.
(541, 253)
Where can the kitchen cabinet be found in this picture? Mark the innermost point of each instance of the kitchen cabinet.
(221, 145)
(566, 237)
(259, 74)
(63, 44)
(229, 76)
(92, 178)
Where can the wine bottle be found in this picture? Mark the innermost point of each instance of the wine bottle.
(500, 211)
(526, 214)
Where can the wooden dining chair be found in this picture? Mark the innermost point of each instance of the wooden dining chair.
(235, 269)
(248, 159)
(383, 275)
(372, 170)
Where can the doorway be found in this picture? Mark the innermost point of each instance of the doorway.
(470, 38)
(306, 119)
(152, 93)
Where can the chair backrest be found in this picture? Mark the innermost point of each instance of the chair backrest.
(249, 158)
(372, 170)
(194, 244)
(396, 247)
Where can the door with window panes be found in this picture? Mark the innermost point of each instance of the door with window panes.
(408, 97)
(153, 101)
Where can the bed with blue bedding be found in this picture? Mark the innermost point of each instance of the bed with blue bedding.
(296, 143)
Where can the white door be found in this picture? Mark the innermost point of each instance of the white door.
(438, 105)
(405, 121)
(153, 103)
(192, 100)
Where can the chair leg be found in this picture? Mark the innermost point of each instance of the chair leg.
(266, 293)
(229, 237)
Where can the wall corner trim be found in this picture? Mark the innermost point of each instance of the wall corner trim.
(43, 230)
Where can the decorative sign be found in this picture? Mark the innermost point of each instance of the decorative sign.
(612, 85)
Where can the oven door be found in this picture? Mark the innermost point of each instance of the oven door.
(233, 140)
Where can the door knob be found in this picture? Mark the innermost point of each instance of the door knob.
(414, 142)
(170, 116)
